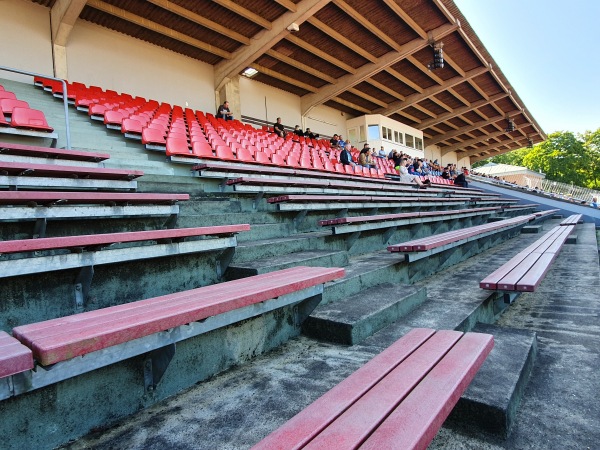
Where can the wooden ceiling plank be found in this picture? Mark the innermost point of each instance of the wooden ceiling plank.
(200, 20)
(407, 19)
(368, 70)
(320, 53)
(367, 97)
(415, 98)
(405, 80)
(301, 66)
(285, 78)
(245, 13)
(341, 101)
(385, 89)
(469, 142)
(424, 110)
(243, 57)
(440, 103)
(409, 116)
(342, 39)
(459, 97)
(287, 4)
(430, 73)
(156, 27)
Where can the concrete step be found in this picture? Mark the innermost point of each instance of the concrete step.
(265, 231)
(199, 220)
(269, 248)
(312, 258)
(491, 401)
(352, 320)
(366, 271)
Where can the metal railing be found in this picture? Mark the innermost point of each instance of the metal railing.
(65, 99)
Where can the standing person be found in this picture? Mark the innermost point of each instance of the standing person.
(407, 178)
(279, 129)
(346, 156)
(223, 112)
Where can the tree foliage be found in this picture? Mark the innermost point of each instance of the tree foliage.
(563, 157)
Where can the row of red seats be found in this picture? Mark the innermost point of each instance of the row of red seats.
(16, 113)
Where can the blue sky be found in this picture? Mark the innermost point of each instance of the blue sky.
(549, 52)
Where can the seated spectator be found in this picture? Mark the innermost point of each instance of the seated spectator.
(341, 143)
(298, 131)
(279, 129)
(365, 159)
(594, 203)
(407, 178)
(346, 156)
(223, 112)
(381, 153)
(334, 140)
(461, 179)
(309, 134)
(397, 158)
(446, 173)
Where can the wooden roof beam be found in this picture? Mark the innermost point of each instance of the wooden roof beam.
(319, 53)
(245, 13)
(415, 98)
(284, 78)
(462, 145)
(368, 70)
(300, 66)
(339, 37)
(461, 110)
(202, 21)
(243, 57)
(463, 130)
(287, 4)
(158, 28)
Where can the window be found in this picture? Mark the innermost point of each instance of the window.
(418, 143)
(398, 138)
(410, 141)
(352, 134)
(387, 133)
(363, 136)
(373, 132)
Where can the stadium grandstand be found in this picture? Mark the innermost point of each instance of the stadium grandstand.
(176, 275)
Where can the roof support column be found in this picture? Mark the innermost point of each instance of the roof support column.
(63, 16)
(230, 91)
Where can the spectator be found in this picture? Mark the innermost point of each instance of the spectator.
(298, 131)
(334, 141)
(346, 156)
(461, 179)
(381, 153)
(446, 173)
(309, 134)
(341, 143)
(223, 112)
(279, 129)
(407, 178)
(594, 203)
(365, 159)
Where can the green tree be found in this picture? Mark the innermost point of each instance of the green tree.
(591, 142)
(562, 157)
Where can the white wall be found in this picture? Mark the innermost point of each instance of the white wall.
(105, 58)
(326, 121)
(26, 45)
(268, 103)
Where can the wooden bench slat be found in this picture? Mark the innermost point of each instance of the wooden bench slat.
(14, 356)
(52, 343)
(53, 243)
(510, 280)
(304, 426)
(352, 427)
(16, 168)
(416, 421)
(31, 150)
(534, 276)
(45, 197)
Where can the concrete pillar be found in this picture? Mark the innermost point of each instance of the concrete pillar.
(230, 92)
(60, 61)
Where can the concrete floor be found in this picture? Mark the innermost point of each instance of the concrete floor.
(560, 409)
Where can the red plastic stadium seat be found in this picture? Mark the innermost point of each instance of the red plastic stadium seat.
(131, 126)
(113, 117)
(224, 152)
(3, 122)
(153, 136)
(7, 105)
(244, 154)
(202, 149)
(178, 146)
(262, 158)
(7, 94)
(32, 119)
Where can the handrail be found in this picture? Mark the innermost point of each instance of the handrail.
(65, 99)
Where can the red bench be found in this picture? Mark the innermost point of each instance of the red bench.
(52, 170)
(572, 220)
(64, 338)
(360, 199)
(439, 240)
(526, 270)
(47, 152)
(14, 356)
(34, 198)
(397, 400)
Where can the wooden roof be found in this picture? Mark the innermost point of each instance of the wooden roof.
(358, 56)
